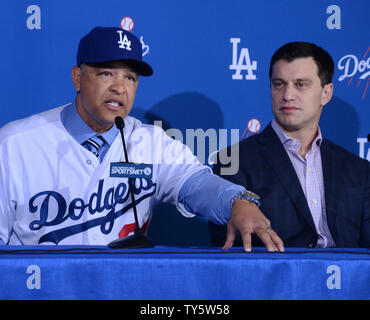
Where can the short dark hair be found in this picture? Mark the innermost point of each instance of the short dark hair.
(293, 50)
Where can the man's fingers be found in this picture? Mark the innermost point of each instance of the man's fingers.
(247, 241)
(277, 240)
(271, 240)
(230, 237)
(267, 240)
(247, 219)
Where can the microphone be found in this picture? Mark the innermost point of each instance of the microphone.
(138, 239)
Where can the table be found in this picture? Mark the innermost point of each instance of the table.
(85, 272)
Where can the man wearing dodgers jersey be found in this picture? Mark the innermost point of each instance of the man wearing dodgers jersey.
(55, 183)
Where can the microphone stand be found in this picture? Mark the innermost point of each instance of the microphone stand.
(138, 239)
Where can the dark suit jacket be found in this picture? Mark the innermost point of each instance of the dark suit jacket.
(265, 168)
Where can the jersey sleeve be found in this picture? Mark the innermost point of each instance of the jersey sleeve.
(209, 196)
(176, 163)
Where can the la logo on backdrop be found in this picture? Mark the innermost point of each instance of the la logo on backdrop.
(242, 63)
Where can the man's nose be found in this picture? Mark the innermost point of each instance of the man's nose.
(118, 86)
(289, 92)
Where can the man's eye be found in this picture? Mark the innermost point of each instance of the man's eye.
(301, 85)
(104, 73)
(131, 78)
(277, 84)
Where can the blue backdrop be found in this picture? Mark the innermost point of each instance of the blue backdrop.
(210, 60)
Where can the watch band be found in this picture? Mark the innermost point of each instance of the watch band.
(246, 195)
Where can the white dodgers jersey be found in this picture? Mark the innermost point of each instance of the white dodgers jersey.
(54, 191)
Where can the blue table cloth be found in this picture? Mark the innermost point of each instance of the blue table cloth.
(85, 272)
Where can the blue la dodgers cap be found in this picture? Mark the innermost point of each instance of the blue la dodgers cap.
(104, 44)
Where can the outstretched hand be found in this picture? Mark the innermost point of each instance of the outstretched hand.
(246, 219)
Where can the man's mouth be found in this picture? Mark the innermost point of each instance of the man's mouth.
(114, 104)
(289, 108)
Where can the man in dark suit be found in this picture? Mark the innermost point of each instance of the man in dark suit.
(315, 193)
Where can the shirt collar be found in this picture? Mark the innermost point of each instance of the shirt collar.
(79, 130)
(284, 138)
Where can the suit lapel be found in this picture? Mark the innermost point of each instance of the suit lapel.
(275, 154)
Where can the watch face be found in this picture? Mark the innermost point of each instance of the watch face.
(252, 194)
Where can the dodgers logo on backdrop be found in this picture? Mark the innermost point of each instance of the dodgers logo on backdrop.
(144, 46)
(253, 127)
(127, 23)
(358, 69)
(243, 63)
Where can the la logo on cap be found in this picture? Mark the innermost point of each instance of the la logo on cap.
(123, 42)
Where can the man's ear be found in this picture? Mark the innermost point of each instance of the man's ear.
(76, 75)
(327, 94)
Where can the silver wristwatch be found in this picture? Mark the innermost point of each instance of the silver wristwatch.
(247, 195)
